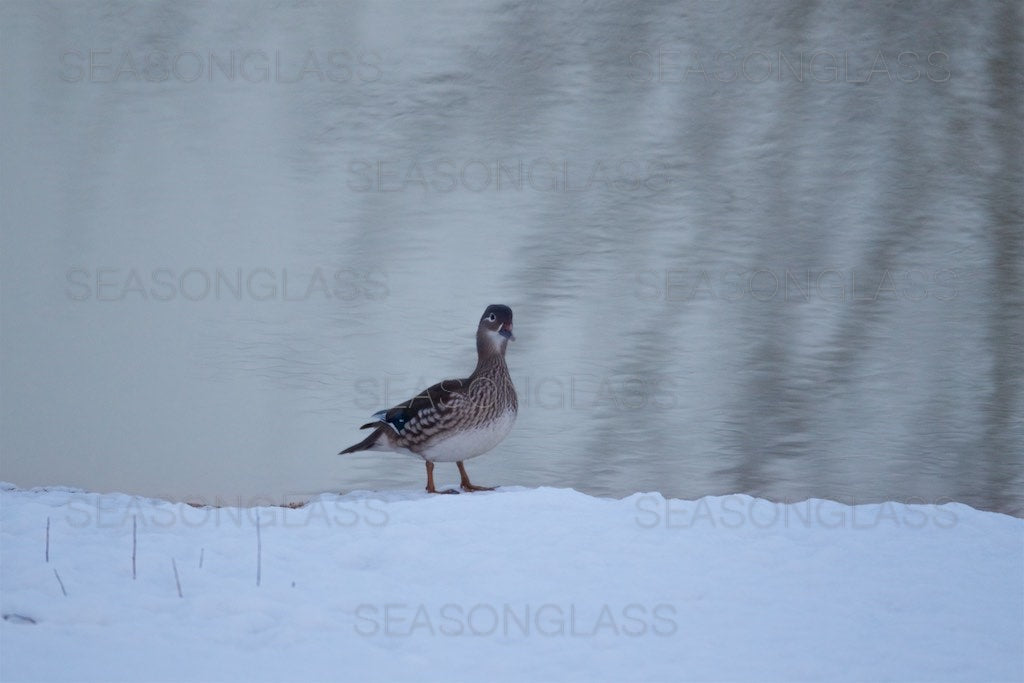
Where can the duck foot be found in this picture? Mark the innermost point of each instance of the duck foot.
(430, 481)
(466, 484)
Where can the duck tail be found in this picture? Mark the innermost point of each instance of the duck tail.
(367, 443)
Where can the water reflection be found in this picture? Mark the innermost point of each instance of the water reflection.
(805, 284)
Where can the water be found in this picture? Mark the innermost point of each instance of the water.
(772, 249)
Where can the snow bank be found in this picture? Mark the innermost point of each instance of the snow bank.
(518, 584)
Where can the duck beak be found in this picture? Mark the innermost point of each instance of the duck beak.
(506, 331)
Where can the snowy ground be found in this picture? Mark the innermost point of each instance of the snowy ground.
(518, 584)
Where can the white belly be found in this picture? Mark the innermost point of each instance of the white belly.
(470, 443)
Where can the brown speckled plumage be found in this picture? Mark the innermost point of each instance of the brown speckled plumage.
(456, 419)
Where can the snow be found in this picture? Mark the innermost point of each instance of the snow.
(516, 584)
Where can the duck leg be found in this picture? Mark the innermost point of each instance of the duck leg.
(467, 485)
(430, 480)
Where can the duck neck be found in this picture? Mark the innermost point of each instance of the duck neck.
(490, 357)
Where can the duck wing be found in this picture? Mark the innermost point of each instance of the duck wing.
(424, 413)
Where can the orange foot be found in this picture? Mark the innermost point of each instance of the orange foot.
(430, 481)
(466, 484)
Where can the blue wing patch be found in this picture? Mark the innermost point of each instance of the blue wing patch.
(397, 421)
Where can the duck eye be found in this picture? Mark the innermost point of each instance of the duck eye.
(491, 317)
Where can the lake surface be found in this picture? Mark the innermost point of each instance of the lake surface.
(770, 249)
